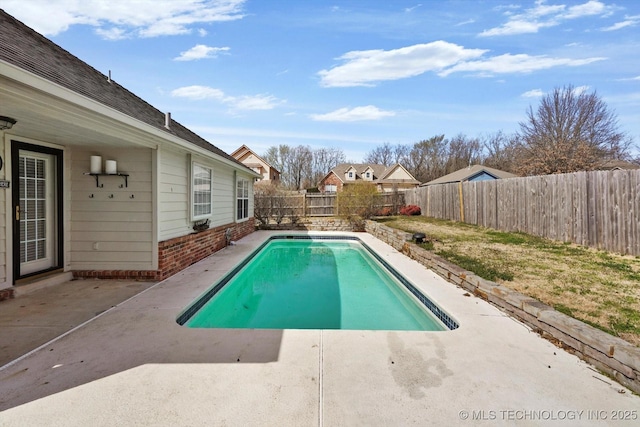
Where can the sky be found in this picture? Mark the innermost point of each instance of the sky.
(351, 74)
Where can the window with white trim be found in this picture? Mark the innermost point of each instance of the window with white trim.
(242, 199)
(201, 200)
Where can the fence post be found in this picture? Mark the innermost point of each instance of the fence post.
(461, 201)
(304, 204)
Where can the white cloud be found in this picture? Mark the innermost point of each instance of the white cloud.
(368, 112)
(112, 33)
(534, 93)
(467, 22)
(200, 51)
(256, 102)
(245, 102)
(629, 21)
(120, 19)
(515, 26)
(410, 9)
(198, 92)
(367, 67)
(579, 90)
(520, 63)
(543, 15)
(202, 32)
(589, 8)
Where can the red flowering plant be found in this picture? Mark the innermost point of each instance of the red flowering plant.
(410, 210)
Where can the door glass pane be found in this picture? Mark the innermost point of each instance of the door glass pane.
(33, 213)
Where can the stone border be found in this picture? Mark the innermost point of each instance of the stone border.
(614, 356)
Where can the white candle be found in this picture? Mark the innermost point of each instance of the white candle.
(110, 167)
(96, 164)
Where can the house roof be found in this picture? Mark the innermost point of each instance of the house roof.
(617, 164)
(244, 149)
(26, 49)
(467, 173)
(380, 172)
(342, 168)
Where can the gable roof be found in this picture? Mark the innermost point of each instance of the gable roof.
(380, 172)
(243, 149)
(30, 51)
(384, 178)
(467, 173)
(342, 168)
(617, 165)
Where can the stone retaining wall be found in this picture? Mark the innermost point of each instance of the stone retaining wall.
(318, 224)
(614, 356)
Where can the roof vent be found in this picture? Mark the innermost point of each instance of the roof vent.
(167, 120)
(109, 77)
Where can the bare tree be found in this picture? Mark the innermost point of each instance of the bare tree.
(462, 152)
(325, 159)
(381, 155)
(278, 156)
(501, 151)
(570, 131)
(298, 167)
(426, 159)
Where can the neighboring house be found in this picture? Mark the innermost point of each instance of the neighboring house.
(613, 165)
(134, 219)
(471, 173)
(386, 179)
(256, 163)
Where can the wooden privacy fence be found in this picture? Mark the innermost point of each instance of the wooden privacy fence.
(600, 209)
(310, 204)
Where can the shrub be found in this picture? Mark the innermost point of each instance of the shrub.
(357, 200)
(384, 212)
(410, 210)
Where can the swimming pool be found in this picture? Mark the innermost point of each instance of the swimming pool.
(315, 282)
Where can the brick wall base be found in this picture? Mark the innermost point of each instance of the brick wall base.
(6, 294)
(179, 253)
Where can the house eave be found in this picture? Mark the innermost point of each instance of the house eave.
(145, 135)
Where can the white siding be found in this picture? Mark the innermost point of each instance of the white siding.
(111, 228)
(174, 193)
(398, 173)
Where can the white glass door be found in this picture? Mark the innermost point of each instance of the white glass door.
(36, 211)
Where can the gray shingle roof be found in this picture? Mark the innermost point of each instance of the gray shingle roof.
(26, 49)
(379, 173)
(341, 169)
(465, 174)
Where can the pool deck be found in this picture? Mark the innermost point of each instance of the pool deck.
(134, 365)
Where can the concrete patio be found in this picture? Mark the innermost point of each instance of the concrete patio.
(134, 365)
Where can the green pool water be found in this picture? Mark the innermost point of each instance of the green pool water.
(310, 284)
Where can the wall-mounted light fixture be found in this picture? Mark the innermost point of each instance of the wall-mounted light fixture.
(6, 122)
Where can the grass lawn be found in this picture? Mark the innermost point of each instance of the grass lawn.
(596, 287)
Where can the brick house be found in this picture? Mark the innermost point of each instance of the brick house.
(386, 179)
